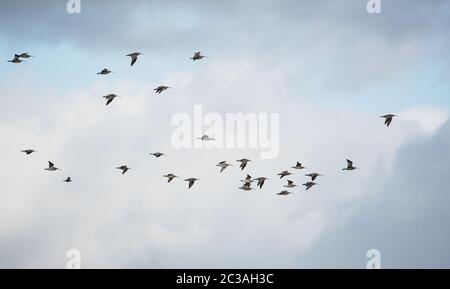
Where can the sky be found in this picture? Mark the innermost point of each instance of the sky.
(327, 67)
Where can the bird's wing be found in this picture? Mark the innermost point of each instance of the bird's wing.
(133, 59)
(50, 164)
(191, 182)
(109, 100)
(290, 183)
(388, 121)
(349, 163)
(222, 169)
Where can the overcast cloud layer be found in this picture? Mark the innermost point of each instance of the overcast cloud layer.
(328, 68)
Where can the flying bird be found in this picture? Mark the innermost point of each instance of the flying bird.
(248, 179)
(243, 163)
(161, 88)
(25, 55)
(197, 56)
(223, 165)
(157, 155)
(350, 166)
(261, 181)
(170, 177)
(284, 173)
(68, 180)
(110, 97)
(309, 185)
(123, 168)
(28, 152)
(313, 176)
(16, 59)
(191, 181)
(104, 71)
(246, 187)
(298, 166)
(388, 118)
(134, 57)
(290, 184)
(284, 193)
(51, 167)
(205, 138)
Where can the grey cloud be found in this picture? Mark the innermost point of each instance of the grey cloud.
(406, 217)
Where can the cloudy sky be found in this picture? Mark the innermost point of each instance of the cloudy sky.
(328, 67)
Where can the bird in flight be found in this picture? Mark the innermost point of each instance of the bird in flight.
(309, 185)
(104, 71)
(25, 55)
(284, 173)
(248, 179)
(243, 163)
(110, 97)
(68, 180)
(205, 138)
(388, 118)
(246, 187)
(223, 165)
(191, 181)
(51, 167)
(197, 56)
(313, 176)
(284, 193)
(16, 59)
(123, 168)
(298, 166)
(290, 184)
(161, 88)
(350, 166)
(170, 177)
(261, 181)
(134, 57)
(28, 151)
(157, 155)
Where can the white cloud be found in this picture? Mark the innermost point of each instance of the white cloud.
(429, 119)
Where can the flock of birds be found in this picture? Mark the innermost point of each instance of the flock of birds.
(247, 182)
